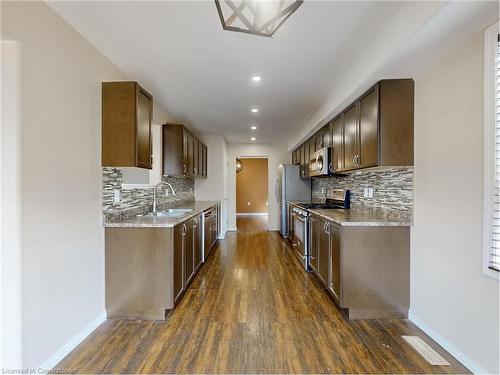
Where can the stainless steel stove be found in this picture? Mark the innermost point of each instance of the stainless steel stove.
(300, 222)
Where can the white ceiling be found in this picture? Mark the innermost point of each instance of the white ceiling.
(201, 74)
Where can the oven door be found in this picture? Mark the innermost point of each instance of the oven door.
(300, 238)
(319, 165)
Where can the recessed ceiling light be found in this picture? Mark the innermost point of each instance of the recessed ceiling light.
(253, 127)
(253, 139)
(255, 110)
(256, 78)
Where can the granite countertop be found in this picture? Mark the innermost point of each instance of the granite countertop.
(162, 222)
(356, 218)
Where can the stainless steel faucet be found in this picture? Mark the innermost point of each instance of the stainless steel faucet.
(155, 202)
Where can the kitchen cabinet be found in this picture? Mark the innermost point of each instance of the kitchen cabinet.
(212, 223)
(187, 254)
(375, 130)
(178, 268)
(313, 243)
(365, 269)
(204, 161)
(127, 111)
(323, 249)
(350, 137)
(148, 269)
(197, 242)
(337, 143)
(183, 153)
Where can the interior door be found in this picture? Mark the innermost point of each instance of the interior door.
(368, 129)
(179, 234)
(350, 136)
(337, 142)
(143, 141)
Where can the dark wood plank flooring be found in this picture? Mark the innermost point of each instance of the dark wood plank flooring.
(251, 309)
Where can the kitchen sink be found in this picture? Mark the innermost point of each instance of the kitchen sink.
(171, 212)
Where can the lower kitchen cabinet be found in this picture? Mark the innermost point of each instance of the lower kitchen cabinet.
(313, 243)
(147, 270)
(366, 269)
(212, 225)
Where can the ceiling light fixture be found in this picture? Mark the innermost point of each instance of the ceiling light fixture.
(255, 110)
(253, 127)
(256, 78)
(253, 139)
(261, 18)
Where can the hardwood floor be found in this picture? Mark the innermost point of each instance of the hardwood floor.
(251, 309)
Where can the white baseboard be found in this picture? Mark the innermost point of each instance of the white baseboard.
(449, 347)
(73, 343)
(252, 214)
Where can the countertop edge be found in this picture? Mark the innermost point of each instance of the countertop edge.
(128, 223)
(384, 222)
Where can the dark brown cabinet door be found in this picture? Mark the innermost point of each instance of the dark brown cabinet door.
(307, 157)
(368, 129)
(126, 125)
(350, 137)
(327, 136)
(205, 161)
(313, 243)
(179, 234)
(200, 159)
(334, 277)
(196, 170)
(143, 138)
(189, 252)
(303, 160)
(198, 248)
(337, 144)
(190, 154)
(323, 250)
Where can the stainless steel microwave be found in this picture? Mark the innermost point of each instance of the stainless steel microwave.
(321, 163)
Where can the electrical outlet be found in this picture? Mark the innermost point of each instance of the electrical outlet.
(117, 195)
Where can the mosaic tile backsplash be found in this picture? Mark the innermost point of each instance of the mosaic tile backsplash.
(392, 190)
(140, 200)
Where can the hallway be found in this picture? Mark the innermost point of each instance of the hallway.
(251, 309)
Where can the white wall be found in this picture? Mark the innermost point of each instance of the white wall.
(276, 154)
(450, 297)
(62, 234)
(215, 186)
(10, 206)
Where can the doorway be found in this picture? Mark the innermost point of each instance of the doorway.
(252, 188)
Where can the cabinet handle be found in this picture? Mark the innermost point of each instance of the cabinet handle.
(184, 230)
(195, 223)
(330, 167)
(185, 169)
(194, 170)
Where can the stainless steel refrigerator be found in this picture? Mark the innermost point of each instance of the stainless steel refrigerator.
(290, 187)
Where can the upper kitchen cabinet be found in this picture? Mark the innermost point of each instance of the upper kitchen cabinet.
(127, 111)
(337, 143)
(378, 127)
(183, 153)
